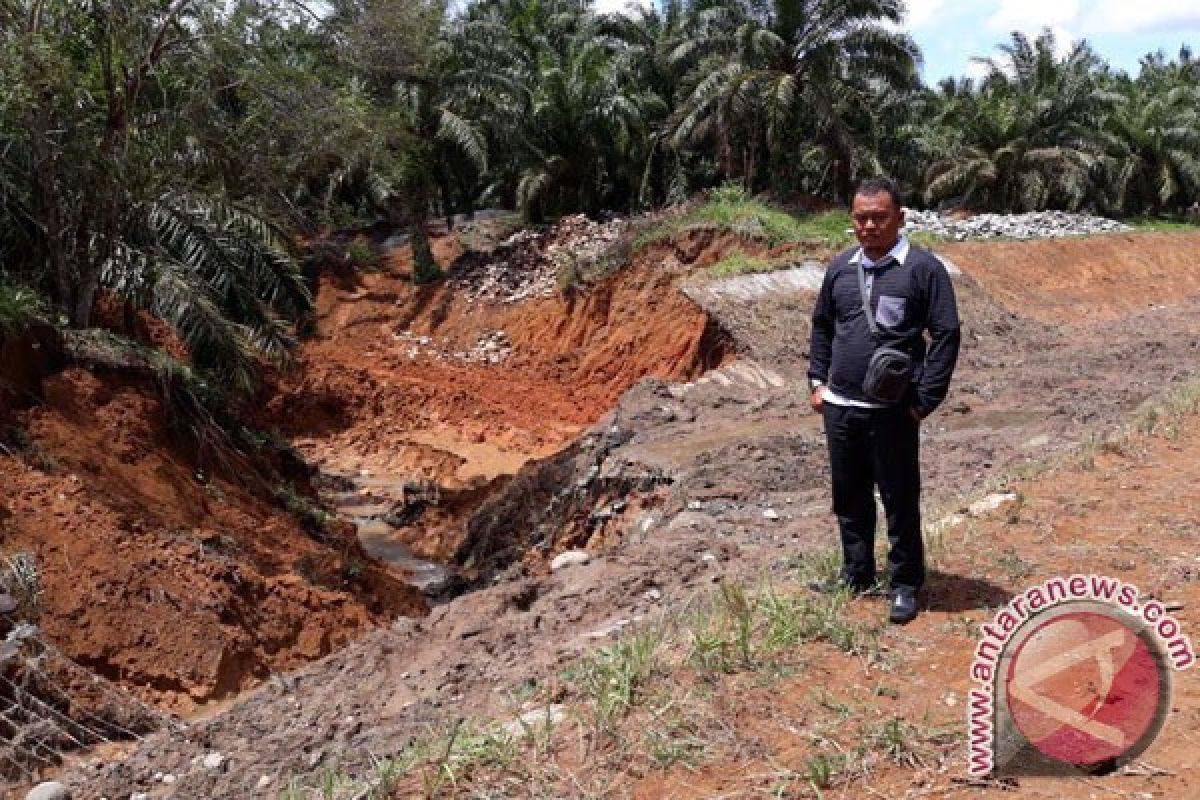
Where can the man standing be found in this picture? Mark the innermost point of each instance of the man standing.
(870, 442)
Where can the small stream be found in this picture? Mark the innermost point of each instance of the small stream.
(368, 501)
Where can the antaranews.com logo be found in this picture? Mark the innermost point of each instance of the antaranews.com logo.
(1074, 676)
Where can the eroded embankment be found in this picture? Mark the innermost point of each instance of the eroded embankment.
(186, 583)
(428, 401)
(182, 582)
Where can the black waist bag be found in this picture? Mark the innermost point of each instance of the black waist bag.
(890, 370)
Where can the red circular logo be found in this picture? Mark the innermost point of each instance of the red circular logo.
(1084, 687)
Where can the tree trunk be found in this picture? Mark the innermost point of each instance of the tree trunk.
(425, 269)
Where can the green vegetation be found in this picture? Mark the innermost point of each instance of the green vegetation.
(738, 263)
(731, 209)
(168, 156)
(19, 305)
(1160, 225)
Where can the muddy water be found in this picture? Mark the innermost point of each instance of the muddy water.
(369, 501)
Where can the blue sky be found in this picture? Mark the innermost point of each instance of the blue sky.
(950, 32)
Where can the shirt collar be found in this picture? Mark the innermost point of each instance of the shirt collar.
(899, 252)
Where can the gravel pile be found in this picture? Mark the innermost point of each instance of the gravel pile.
(492, 347)
(1033, 225)
(528, 263)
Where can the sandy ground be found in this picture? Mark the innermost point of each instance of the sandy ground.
(621, 423)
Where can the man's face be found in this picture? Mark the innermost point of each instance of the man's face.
(877, 222)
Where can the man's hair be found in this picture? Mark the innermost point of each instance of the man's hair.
(874, 186)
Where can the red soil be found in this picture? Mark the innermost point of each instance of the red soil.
(184, 587)
(187, 587)
(361, 404)
(1086, 279)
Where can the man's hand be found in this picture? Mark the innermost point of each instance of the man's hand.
(817, 399)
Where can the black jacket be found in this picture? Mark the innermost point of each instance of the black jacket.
(908, 300)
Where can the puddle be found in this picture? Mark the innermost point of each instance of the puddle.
(367, 501)
(994, 419)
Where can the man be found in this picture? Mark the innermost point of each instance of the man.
(872, 442)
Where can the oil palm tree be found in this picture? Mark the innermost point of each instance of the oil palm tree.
(1029, 136)
(1155, 146)
(104, 186)
(766, 81)
(563, 102)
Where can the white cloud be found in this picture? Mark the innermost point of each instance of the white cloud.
(620, 6)
(919, 12)
(975, 70)
(1030, 16)
(1143, 16)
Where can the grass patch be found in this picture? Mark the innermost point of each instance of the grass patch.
(1162, 225)
(659, 699)
(362, 256)
(612, 681)
(19, 305)
(316, 521)
(740, 630)
(739, 263)
(21, 578)
(729, 208)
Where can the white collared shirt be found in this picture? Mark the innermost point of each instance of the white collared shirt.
(899, 252)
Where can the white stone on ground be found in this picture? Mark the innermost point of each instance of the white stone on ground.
(535, 719)
(570, 558)
(991, 503)
(51, 790)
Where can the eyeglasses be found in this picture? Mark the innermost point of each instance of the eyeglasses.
(881, 218)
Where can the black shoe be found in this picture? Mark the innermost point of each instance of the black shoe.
(839, 585)
(904, 606)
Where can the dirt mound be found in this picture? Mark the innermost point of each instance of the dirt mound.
(1083, 280)
(180, 585)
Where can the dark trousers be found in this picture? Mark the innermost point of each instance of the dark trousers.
(869, 447)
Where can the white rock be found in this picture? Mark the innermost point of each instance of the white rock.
(946, 523)
(51, 790)
(771, 514)
(169, 779)
(571, 558)
(608, 630)
(264, 782)
(991, 503)
(537, 718)
(708, 558)
(646, 523)
(213, 760)
(139, 796)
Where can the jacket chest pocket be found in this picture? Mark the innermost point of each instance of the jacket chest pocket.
(889, 310)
